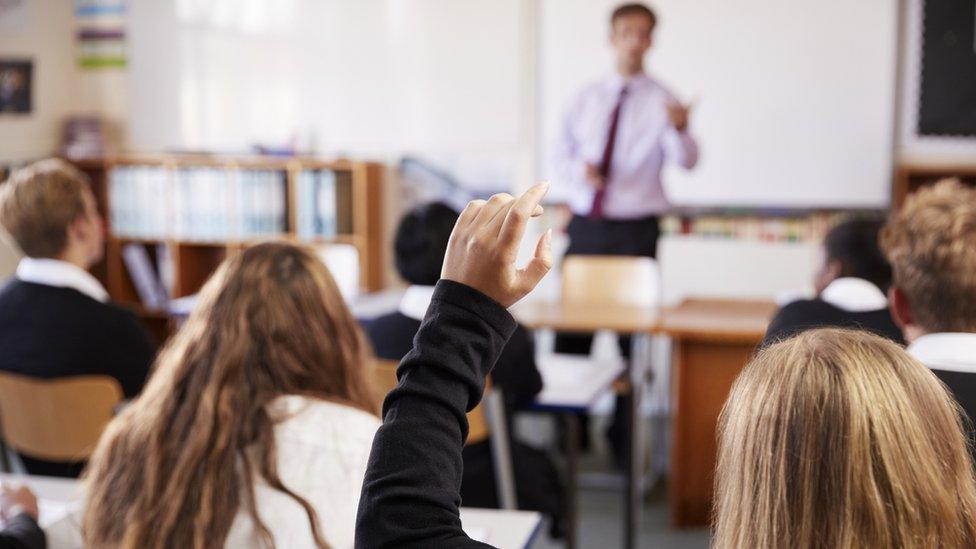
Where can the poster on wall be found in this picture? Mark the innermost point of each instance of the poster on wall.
(16, 76)
(14, 15)
(947, 87)
(100, 33)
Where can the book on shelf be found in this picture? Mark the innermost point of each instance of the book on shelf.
(148, 285)
(324, 205)
(196, 203)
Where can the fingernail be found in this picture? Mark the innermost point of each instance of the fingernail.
(548, 236)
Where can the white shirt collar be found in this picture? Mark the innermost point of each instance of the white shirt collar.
(954, 352)
(415, 301)
(54, 272)
(854, 295)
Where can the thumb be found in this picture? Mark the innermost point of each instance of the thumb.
(530, 275)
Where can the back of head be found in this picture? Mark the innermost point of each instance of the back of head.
(39, 202)
(930, 244)
(175, 467)
(854, 243)
(421, 242)
(840, 439)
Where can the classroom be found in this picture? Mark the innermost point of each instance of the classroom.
(527, 274)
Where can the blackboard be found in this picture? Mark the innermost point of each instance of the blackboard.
(947, 87)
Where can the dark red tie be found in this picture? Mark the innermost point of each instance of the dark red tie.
(596, 212)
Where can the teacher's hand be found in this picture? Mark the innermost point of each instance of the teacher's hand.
(594, 177)
(484, 245)
(679, 114)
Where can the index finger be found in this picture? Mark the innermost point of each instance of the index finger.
(518, 216)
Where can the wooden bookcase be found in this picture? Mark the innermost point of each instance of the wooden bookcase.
(194, 260)
(911, 177)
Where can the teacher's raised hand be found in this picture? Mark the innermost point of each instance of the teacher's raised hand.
(484, 246)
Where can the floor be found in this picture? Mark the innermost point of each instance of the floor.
(601, 524)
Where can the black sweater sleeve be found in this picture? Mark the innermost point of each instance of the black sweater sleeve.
(516, 372)
(411, 493)
(22, 532)
(130, 354)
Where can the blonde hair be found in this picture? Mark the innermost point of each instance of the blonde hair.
(930, 245)
(177, 465)
(839, 438)
(38, 204)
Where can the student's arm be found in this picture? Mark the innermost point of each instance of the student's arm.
(411, 492)
(22, 532)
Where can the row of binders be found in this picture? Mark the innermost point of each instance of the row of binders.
(155, 202)
(213, 204)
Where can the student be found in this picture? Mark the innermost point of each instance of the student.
(420, 243)
(18, 508)
(839, 438)
(55, 319)
(410, 494)
(850, 286)
(931, 244)
(256, 425)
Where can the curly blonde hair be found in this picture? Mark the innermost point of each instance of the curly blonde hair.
(931, 245)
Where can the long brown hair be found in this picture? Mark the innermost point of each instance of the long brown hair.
(175, 467)
(840, 439)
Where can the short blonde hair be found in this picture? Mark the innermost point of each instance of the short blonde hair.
(39, 202)
(839, 438)
(931, 245)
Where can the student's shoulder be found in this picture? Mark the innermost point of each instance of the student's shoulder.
(309, 421)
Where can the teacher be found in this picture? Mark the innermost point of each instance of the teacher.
(617, 136)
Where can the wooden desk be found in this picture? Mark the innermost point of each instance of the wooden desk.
(712, 341)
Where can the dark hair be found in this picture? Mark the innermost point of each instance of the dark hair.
(421, 241)
(854, 243)
(636, 8)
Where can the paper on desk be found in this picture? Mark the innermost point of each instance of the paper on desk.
(477, 534)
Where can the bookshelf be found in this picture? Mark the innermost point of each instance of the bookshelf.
(911, 177)
(146, 201)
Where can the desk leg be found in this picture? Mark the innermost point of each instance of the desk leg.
(634, 492)
(572, 479)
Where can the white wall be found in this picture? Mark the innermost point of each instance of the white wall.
(47, 40)
(374, 78)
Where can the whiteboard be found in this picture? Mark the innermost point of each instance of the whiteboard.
(796, 97)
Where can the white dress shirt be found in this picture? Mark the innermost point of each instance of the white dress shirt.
(322, 449)
(854, 295)
(645, 140)
(54, 272)
(952, 352)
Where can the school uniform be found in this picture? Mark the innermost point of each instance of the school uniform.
(845, 303)
(410, 493)
(952, 358)
(22, 532)
(55, 322)
(322, 449)
(537, 483)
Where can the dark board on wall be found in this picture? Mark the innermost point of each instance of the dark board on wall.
(947, 95)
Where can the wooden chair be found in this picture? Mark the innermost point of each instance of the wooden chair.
(611, 280)
(56, 419)
(486, 421)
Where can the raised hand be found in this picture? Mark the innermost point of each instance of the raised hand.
(484, 245)
(679, 114)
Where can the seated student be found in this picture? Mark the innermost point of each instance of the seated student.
(18, 508)
(850, 285)
(931, 244)
(255, 427)
(410, 494)
(420, 243)
(839, 438)
(55, 319)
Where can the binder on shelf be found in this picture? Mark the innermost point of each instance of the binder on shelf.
(147, 284)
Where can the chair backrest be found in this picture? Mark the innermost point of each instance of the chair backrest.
(609, 280)
(56, 419)
(384, 380)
